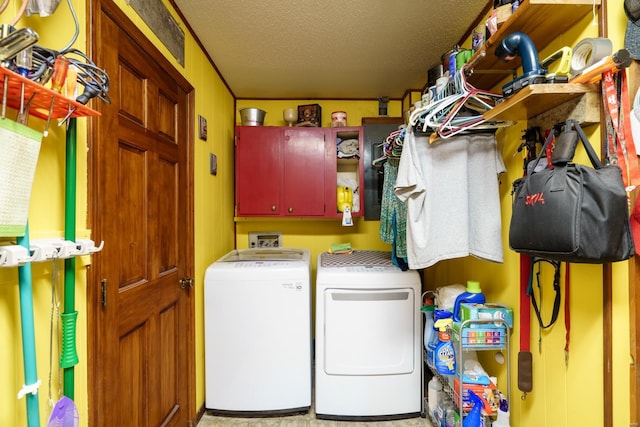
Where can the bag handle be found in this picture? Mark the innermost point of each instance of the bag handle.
(568, 125)
(542, 152)
(593, 157)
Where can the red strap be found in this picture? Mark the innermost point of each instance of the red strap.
(618, 111)
(525, 304)
(567, 317)
(634, 170)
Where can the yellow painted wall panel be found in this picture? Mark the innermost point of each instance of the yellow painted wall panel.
(563, 395)
(213, 217)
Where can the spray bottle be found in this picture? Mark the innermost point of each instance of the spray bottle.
(434, 340)
(503, 414)
(445, 355)
(474, 418)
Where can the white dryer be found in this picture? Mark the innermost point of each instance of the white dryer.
(257, 326)
(368, 338)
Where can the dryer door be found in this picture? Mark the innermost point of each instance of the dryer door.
(369, 332)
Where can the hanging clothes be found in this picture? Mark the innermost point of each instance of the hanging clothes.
(393, 215)
(451, 190)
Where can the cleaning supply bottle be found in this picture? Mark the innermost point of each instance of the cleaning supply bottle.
(434, 340)
(474, 418)
(433, 388)
(473, 295)
(445, 355)
(428, 323)
(503, 415)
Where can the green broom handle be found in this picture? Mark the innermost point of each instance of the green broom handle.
(69, 355)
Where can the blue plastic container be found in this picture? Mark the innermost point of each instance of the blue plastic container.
(473, 295)
(428, 324)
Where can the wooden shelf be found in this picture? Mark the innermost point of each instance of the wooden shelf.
(541, 20)
(535, 99)
(41, 103)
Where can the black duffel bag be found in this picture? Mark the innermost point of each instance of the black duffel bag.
(571, 212)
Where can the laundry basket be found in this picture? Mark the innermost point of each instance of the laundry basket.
(20, 147)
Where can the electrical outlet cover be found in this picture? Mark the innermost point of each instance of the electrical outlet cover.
(265, 239)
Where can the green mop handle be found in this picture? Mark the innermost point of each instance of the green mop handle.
(69, 355)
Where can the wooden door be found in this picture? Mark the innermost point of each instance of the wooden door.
(304, 168)
(141, 331)
(258, 170)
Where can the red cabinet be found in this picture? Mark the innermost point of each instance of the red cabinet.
(291, 171)
(258, 174)
(304, 171)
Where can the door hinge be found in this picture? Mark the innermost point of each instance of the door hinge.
(103, 292)
(186, 283)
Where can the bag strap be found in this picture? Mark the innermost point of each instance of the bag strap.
(556, 289)
(569, 125)
(567, 315)
(593, 157)
(543, 151)
(617, 109)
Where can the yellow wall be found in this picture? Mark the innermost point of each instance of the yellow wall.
(213, 218)
(565, 396)
(46, 219)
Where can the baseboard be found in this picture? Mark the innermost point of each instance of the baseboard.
(198, 416)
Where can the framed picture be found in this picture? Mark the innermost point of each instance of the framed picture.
(202, 128)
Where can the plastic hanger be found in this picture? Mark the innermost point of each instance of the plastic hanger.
(474, 100)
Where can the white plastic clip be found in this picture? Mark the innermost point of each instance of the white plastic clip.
(44, 249)
(88, 246)
(16, 255)
(65, 248)
(29, 389)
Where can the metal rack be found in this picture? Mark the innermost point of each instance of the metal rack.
(502, 344)
(462, 344)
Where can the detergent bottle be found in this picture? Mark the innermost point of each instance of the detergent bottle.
(474, 418)
(445, 355)
(428, 323)
(473, 295)
(434, 340)
(344, 198)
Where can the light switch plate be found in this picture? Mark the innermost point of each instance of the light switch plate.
(213, 164)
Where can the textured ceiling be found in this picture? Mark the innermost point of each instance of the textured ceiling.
(338, 49)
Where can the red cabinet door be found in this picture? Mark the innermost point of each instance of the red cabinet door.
(259, 172)
(304, 172)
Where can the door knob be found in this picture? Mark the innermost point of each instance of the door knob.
(186, 283)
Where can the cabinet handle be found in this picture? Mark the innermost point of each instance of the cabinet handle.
(273, 208)
(290, 210)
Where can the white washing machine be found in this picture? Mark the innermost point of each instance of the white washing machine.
(368, 338)
(257, 314)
